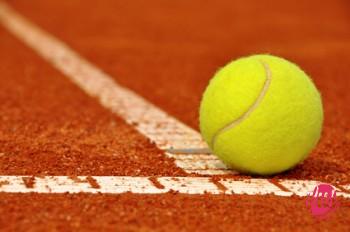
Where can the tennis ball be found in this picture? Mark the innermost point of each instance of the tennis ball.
(261, 115)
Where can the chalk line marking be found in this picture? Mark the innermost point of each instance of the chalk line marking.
(165, 131)
(144, 185)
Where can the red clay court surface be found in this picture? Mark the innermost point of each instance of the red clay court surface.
(164, 51)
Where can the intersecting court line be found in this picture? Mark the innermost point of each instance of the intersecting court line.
(165, 131)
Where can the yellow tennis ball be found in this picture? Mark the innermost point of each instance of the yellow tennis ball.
(261, 114)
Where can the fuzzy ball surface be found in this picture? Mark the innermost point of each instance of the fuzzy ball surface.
(261, 115)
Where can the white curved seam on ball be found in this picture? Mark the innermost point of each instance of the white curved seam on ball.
(250, 110)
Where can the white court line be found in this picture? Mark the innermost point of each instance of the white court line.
(165, 131)
(144, 185)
